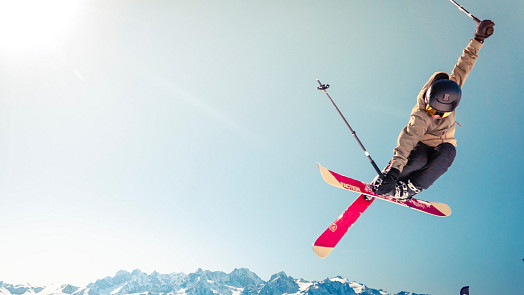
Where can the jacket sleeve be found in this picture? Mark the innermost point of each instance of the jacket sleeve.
(466, 62)
(408, 138)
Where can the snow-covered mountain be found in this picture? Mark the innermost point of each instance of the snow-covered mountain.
(202, 282)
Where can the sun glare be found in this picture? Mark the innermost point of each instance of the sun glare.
(35, 24)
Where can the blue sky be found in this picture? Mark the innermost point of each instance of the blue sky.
(173, 135)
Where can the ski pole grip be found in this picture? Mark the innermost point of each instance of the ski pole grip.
(489, 30)
(322, 87)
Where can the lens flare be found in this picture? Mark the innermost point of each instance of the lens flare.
(33, 24)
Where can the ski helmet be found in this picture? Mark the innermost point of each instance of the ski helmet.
(443, 95)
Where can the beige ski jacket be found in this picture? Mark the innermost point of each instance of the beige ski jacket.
(422, 127)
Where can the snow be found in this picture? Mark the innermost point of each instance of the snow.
(117, 290)
(358, 288)
(236, 291)
(302, 286)
(4, 291)
(49, 290)
(212, 285)
(341, 280)
(25, 289)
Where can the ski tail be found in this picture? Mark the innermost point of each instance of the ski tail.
(336, 231)
(321, 251)
(443, 208)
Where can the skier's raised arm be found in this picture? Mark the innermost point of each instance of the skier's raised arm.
(426, 146)
(470, 54)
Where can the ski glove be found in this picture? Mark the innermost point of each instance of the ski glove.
(484, 30)
(389, 180)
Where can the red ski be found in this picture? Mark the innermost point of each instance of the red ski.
(344, 182)
(334, 233)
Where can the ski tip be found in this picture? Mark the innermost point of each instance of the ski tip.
(328, 177)
(322, 252)
(446, 211)
(322, 169)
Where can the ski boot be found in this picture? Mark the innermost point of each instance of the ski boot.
(377, 181)
(404, 191)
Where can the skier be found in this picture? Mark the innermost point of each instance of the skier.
(426, 146)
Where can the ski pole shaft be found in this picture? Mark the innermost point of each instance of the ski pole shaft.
(324, 88)
(465, 11)
(489, 30)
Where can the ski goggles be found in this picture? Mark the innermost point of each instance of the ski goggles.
(436, 114)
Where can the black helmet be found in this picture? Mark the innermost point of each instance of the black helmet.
(443, 95)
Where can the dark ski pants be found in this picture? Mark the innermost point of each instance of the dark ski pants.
(426, 164)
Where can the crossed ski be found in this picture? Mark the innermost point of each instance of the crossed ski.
(334, 233)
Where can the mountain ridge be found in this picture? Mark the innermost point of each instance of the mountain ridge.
(241, 281)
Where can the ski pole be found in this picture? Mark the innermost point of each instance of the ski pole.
(324, 88)
(465, 11)
(490, 30)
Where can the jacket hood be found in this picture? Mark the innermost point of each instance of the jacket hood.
(421, 96)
